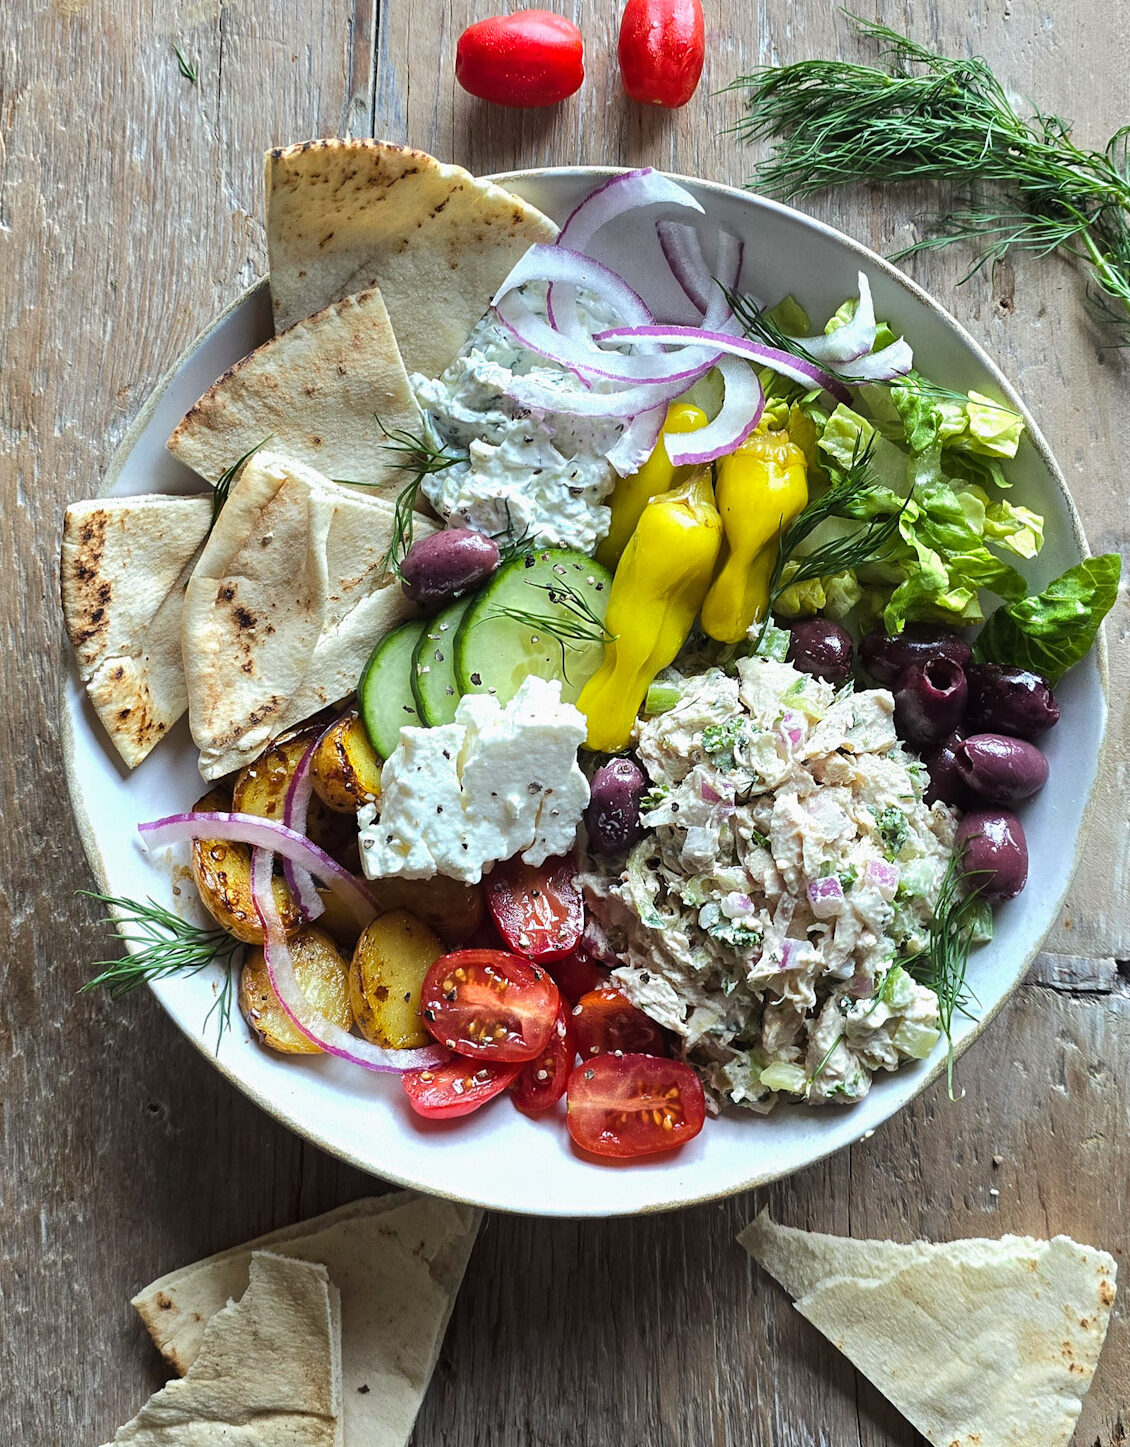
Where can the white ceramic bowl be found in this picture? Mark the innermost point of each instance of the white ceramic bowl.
(499, 1158)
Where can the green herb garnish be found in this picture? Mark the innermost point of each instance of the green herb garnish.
(418, 454)
(574, 621)
(185, 68)
(894, 827)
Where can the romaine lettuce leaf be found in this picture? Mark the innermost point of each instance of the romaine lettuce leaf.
(976, 424)
(1052, 630)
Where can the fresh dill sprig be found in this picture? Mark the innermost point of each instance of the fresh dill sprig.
(164, 944)
(223, 487)
(928, 117)
(186, 69)
(573, 622)
(419, 455)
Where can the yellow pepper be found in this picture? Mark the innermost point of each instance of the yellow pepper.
(760, 489)
(655, 597)
(657, 475)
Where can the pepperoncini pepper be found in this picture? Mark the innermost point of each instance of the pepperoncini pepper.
(760, 488)
(658, 475)
(656, 593)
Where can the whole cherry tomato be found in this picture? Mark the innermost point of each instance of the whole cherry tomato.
(633, 1105)
(576, 974)
(489, 1004)
(442, 1092)
(605, 1021)
(530, 58)
(542, 1082)
(538, 910)
(661, 50)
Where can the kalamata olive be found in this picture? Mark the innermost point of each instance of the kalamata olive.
(946, 783)
(439, 568)
(613, 814)
(929, 701)
(991, 846)
(887, 656)
(822, 648)
(1010, 700)
(999, 768)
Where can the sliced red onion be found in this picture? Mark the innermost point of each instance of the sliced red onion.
(558, 263)
(795, 368)
(708, 793)
(792, 730)
(683, 253)
(297, 806)
(261, 833)
(883, 366)
(739, 414)
(884, 876)
(719, 314)
(736, 905)
(854, 339)
(638, 441)
(826, 896)
(538, 395)
(326, 1034)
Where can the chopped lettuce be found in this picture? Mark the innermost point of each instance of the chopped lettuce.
(973, 424)
(1052, 630)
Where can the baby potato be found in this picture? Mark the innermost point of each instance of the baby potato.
(453, 909)
(222, 871)
(338, 921)
(392, 957)
(261, 788)
(324, 977)
(345, 770)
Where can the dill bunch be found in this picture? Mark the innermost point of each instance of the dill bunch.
(926, 117)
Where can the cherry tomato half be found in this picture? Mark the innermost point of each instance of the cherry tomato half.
(541, 1082)
(530, 58)
(539, 911)
(605, 1021)
(489, 1004)
(576, 974)
(661, 50)
(633, 1105)
(457, 1088)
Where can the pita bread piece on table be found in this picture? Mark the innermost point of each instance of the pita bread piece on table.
(978, 1343)
(343, 215)
(125, 561)
(313, 393)
(268, 1372)
(284, 606)
(398, 1261)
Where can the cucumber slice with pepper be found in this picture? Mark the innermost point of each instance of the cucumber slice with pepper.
(542, 613)
(433, 666)
(384, 694)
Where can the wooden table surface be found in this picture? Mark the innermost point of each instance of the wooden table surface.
(131, 214)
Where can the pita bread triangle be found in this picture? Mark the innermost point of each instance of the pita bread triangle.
(398, 1261)
(268, 1372)
(284, 606)
(343, 215)
(978, 1343)
(125, 561)
(316, 392)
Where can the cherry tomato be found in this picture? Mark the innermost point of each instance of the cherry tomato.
(633, 1105)
(530, 58)
(577, 974)
(605, 1021)
(457, 1088)
(539, 911)
(541, 1082)
(489, 1004)
(661, 50)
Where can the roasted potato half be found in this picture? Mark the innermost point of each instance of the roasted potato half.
(261, 788)
(392, 957)
(453, 909)
(324, 977)
(222, 871)
(345, 770)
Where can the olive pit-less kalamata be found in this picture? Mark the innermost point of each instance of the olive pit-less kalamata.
(441, 567)
(1000, 768)
(929, 701)
(946, 783)
(1010, 700)
(887, 656)
(820, 647)
(612, 817)
(993, 851)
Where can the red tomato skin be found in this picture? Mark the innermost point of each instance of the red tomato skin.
(432, 1094)
(528, 59)
(538, 911)
(467, 990)
(662, 45)
(541, 1083)
(605, 1021)
(623, 1106)
(577, 974)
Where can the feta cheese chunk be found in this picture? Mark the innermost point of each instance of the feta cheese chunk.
(499, 781)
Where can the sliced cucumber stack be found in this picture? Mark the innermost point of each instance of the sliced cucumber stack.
(542, 613)
(384, 694)
(433, 666)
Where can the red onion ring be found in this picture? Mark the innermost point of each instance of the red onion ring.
(297, 806)
(537, 395)
(854, 339)
(739, 414)
(638, 441)
(883, 366)
(559, 263)
(682, 251)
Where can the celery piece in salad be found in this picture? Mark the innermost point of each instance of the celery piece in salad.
(784, 1077)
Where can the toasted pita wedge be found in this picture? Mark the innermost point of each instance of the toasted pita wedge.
(125, 561)
(978, 1343)
(343, 215)
(268, 1371)
(284, 606)
(398, 1261)
(314, 393)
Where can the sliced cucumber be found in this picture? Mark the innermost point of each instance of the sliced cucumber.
(433, 666)
(497, 648)
(384, 694)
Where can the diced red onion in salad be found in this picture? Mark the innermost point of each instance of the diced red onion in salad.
(741, 410)
(884, 876)
(303, 1016)
(736, 905)
(826, 896)
(297, 806)
(854, 339)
